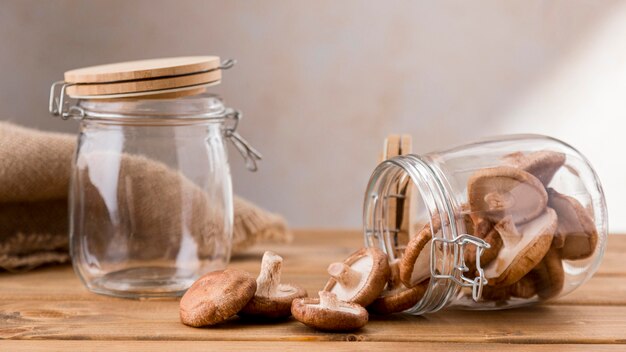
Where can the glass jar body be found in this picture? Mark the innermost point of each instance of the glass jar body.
(151, 205)
(534, 200)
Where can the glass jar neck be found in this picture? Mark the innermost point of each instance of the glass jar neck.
(203, 108)
(432, 196)
(153, 110)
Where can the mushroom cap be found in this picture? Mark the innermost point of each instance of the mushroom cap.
(525, 287)
(500, 191)
(517, 259)
(372, 264)
(542, 164)
(484, 230)
(274, 307)
(576, 233)
(497, 294)
(398, 299)
(345, 317)
(549, 275)
(216, 296)
(415, 263)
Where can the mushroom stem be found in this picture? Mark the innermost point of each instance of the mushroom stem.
(269, 277)
(344, 274)
(394, 277)
(508, 232)
(499, 201)
(328, 300)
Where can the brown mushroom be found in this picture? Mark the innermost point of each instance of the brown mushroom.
(396, 297)
(549, 275)
(542, 164)
(216, 296)
(360, 278)
(576, 234)
(328, 313)
(484, 230)
(500, 191)
(467, 218)
(525, 287)
(498, 294)
(272, 299)
(415, 263)
(522, 248)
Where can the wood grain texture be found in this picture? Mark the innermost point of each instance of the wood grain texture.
(158, 320)
(145, 86)
(393, 206)
(227, 346)
(405, 219)
(60, 284)
(142, 69)
(51, 304)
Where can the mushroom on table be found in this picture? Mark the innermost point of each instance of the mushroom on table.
(360, 278)
(328, 313)
(272, 298)
(216, 296)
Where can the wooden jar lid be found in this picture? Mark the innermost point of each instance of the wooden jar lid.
(143, 77)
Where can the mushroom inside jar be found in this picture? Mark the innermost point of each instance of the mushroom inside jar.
(414, 266)
(502, 191)
(415, 263)
(523, 248)
(396, 297)
(534, 227)
(576, 235)
(486, 231)
(542, 164)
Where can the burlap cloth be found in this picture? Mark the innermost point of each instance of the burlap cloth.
(35, 169)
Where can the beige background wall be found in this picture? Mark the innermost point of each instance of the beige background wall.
(322, 82)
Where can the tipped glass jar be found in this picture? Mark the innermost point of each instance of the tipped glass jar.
(497, 224)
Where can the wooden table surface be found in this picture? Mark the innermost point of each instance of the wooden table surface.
(50, 309)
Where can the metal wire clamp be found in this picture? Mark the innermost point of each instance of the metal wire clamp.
(59, 105)
(459, 244)
(247, 151)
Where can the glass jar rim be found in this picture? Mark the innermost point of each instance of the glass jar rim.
(204, 106)
(438, 203)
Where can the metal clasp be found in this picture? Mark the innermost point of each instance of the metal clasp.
(459, 244)
(60, 105)
(227, 64)
(247, 151)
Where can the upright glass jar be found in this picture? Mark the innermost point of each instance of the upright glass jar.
(151, 203)
(500, 223)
